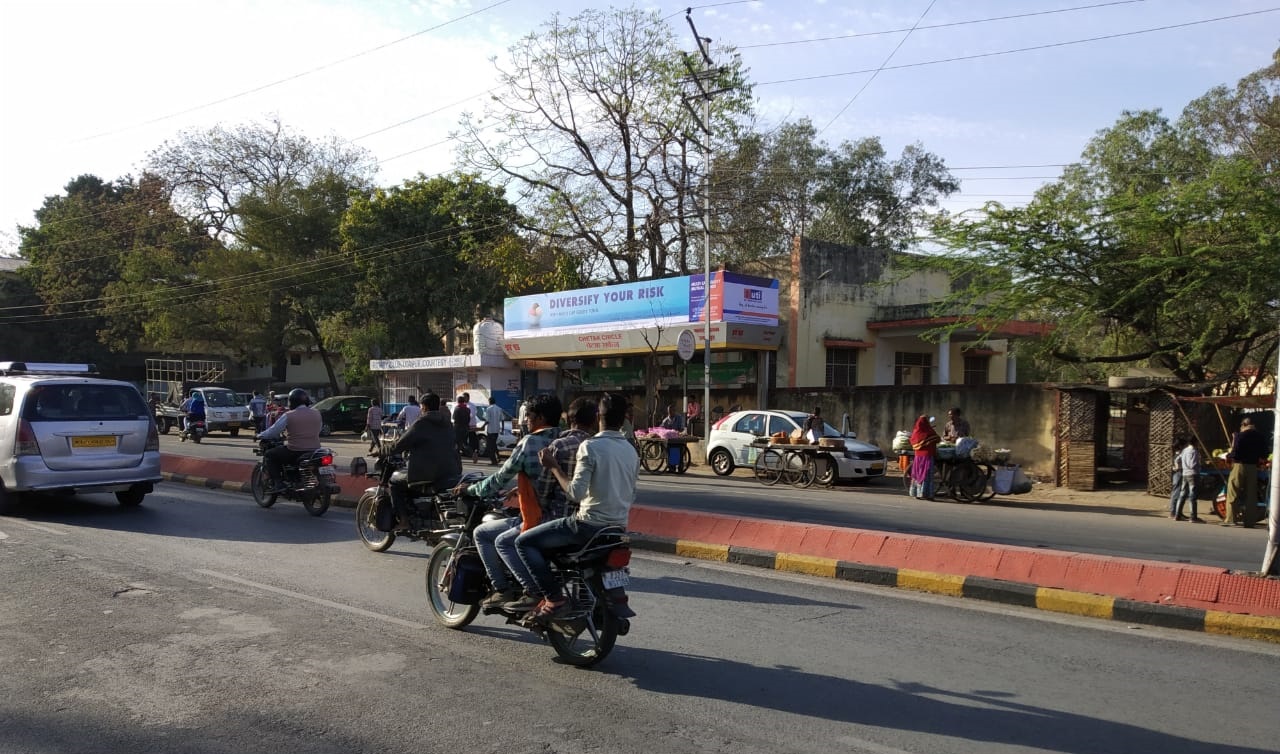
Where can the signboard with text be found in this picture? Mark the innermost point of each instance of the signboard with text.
(653, 303)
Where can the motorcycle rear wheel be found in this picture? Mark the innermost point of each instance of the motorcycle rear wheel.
(367, 524)
(439, 575)
(317, 504)
(585, 641)
(258, 486)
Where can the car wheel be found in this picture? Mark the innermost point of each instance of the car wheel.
(235, 432)
(165, 426)
(721, 462)
(325, 430)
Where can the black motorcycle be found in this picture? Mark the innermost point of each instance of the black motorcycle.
(310, 480)
(594, 575)
(430, 512)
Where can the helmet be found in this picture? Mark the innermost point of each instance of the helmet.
(299, 397)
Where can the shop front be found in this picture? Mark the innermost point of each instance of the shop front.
(624, 338)
(489, 378)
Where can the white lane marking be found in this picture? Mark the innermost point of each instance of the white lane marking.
(314, 600)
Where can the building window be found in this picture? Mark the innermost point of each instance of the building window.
(977, 370)
(295, 359)
(842, 367)
(912, 368)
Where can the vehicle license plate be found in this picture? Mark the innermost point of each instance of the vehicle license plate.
(615, 579)
(328, 470)
(877, 467)
(94, 441)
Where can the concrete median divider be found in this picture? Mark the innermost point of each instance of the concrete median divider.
(1171, 595)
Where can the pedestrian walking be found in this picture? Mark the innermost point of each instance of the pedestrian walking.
(493, 417)
(373, 425)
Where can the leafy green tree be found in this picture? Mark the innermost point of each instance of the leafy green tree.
(433, 254)
(864, 199)
(591, 133)
(775, 186)
(1159, 247)
(96, 256)
(275, 199)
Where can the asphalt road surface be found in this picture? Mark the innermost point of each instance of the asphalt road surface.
(202, 623)
(883, 506)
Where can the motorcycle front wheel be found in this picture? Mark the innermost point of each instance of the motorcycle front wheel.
(258, 485)
(318, 503)
(439, 576)
(583, 641)
(367, 524)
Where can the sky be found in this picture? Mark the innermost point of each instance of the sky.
(1004, 91)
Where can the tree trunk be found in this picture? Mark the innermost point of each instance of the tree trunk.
(309, 323)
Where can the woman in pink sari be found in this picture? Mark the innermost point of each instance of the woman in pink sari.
(924, 442)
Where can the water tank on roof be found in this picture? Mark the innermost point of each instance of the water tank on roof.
(487, 336)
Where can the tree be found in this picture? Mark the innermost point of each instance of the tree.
(433, 255)
(96, 255)
(275, 198)
(864, 199)
(776, 186)
(590, 131)
(1159, 247)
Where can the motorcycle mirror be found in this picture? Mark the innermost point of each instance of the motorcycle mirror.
(932, 420)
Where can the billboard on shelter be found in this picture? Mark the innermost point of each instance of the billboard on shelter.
(653, 303)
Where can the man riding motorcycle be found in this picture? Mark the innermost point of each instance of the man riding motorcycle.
(431, 451)
(302, 424)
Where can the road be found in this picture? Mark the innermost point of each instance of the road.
(881, 505)
(201, 623)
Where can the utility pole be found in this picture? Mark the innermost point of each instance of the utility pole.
(703, 77)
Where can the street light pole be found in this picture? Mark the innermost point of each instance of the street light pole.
(706, 73)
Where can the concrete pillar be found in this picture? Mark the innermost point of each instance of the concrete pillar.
(944, 362)
(1010, 368)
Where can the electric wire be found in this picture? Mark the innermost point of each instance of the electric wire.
(937, 26)
(867, 83)
(1033, 48)
(295, 76)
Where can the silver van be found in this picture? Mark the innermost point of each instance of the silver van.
(63, 430)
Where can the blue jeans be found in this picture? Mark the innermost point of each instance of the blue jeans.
(1176, 496)
(554, 534)
(491, 539)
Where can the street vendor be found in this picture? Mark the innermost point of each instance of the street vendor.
(957, 426)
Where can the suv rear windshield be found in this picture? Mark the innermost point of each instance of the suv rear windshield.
(220, 398)
(46, 403)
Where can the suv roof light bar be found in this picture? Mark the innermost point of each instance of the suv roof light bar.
(43, 367)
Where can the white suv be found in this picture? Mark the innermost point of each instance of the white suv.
(731, 444)
(65, 431)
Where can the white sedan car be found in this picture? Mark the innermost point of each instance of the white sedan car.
(731, 445)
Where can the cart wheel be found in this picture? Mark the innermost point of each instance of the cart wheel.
(769, 466)
(685, 459)
(988, 484)
(826, 470)
(652, 458)
(800, 469)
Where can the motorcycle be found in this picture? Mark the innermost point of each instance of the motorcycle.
(595, 576)
(428, 510)
(194, 430)
(310, 480)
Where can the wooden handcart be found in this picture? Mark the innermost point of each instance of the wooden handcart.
(962, 479)
(800, 465)
(656, 453)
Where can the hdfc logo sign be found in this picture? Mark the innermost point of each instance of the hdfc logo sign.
(752, 294)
